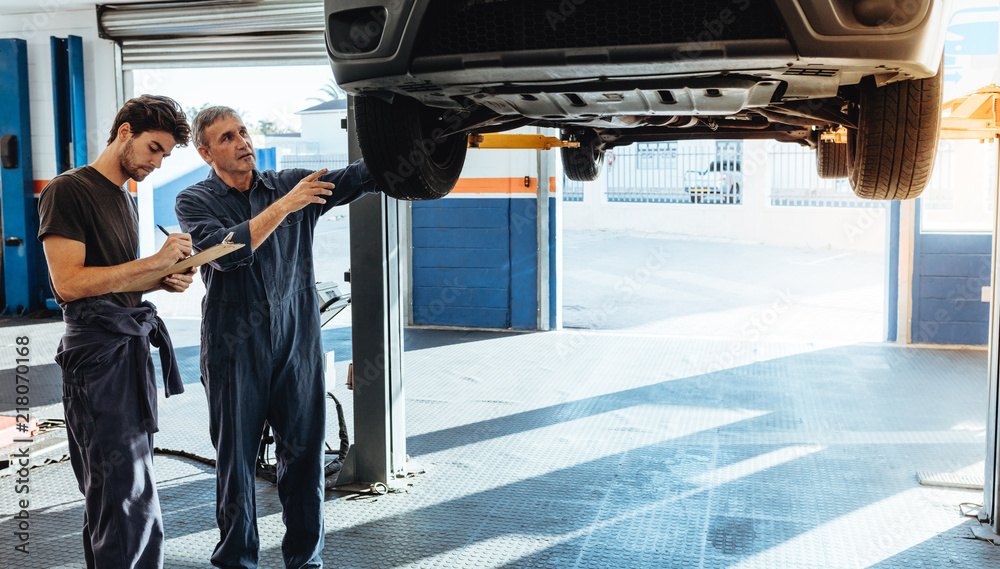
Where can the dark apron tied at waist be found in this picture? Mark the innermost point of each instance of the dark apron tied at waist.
(94, 328)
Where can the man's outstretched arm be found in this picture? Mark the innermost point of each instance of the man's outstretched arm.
(353, 182)
(308, 191)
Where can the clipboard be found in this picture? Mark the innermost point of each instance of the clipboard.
(212, 253)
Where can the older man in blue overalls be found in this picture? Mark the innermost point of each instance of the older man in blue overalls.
(261, 355)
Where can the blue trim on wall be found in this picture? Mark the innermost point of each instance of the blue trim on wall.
(165, 196)
(949, 271)
(892, 273)
(267, 158)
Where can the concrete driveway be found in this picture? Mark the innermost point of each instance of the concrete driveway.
(676, 286)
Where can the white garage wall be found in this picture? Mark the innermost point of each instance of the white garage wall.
(845, 229)
(324, 128)
(99, 70)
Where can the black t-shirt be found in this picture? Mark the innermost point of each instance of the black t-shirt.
(82, 205)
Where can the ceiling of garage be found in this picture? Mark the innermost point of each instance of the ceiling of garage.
(8, 7)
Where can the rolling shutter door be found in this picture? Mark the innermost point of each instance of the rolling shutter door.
(216, 33)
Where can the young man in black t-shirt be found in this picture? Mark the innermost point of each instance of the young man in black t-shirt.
(89, 230)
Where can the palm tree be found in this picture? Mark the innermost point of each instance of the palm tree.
(332, 92)
(193, 111)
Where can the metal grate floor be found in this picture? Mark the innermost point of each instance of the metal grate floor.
(579, 449)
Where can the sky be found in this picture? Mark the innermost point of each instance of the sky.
(272, 93)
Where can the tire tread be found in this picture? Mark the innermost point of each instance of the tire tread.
(831, 160)
(385, 136)
(894, 148)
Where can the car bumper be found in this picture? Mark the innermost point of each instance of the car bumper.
(819, 37)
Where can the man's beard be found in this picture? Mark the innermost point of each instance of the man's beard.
(127, 162)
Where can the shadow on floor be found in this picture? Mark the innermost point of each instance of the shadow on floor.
(780, 463)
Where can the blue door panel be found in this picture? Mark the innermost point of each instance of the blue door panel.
(453, 257)
(463, 238)
(951, 288)
(949, 271)
(459, 297)
(954, 265)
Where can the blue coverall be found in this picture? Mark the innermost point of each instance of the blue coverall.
(109, 396)
(261, 356)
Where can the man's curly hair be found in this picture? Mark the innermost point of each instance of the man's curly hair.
(153, 112)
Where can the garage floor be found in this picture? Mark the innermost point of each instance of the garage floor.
(609, 448)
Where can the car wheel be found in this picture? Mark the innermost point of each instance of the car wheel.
(831, 160)
(584, 163)
(891, 154)
(404, 156)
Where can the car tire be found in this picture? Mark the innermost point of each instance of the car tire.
(891, 154)
(831, 160)
(404, 157)
(584, 163)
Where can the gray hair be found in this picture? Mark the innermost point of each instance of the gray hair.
(206, 118)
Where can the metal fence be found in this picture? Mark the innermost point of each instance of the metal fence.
(794, 181)
(312, 161)
(572, 190)
(675, 172)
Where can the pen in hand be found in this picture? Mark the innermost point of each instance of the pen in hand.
(167, 233)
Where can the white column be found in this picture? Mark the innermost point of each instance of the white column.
(147, 225)
(542, 220)
(907, 221)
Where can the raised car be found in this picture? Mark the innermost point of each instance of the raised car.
(427, 73)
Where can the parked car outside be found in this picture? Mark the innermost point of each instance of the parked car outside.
(857, 80)
(721, 182)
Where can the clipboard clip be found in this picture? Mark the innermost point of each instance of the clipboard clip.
(229, 238)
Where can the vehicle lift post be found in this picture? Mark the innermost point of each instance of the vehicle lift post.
(378, 454)
(17, 195)
(68, 102)
(376, 221)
